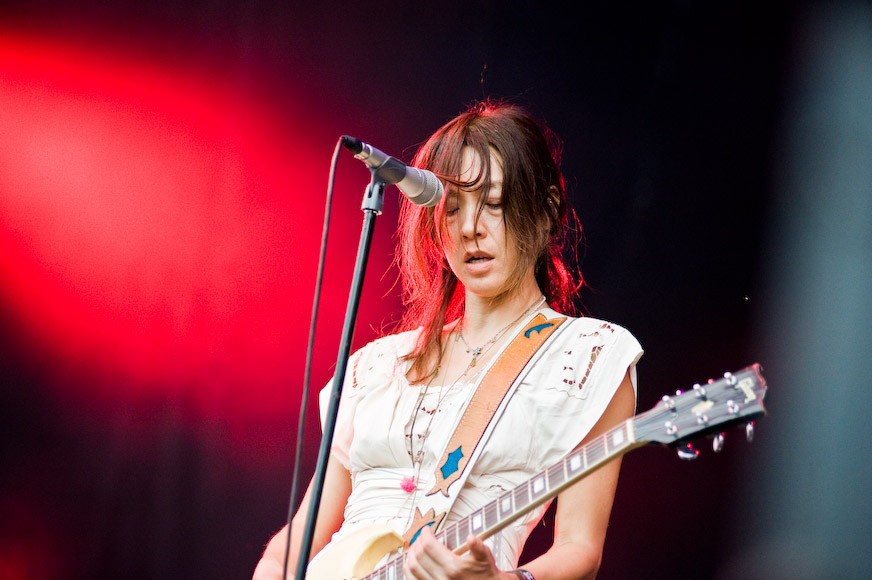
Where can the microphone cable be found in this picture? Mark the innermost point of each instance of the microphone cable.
(307, 373)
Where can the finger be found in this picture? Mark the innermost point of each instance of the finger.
(480, 557)
(420, 564)
(435, 558)
(477, 549)
(413, 569)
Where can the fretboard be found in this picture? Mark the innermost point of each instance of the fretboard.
(537, 490)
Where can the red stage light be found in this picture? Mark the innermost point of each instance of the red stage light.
(150, 237)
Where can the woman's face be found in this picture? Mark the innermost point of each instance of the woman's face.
(482, 255)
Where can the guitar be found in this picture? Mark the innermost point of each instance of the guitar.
(673, 422)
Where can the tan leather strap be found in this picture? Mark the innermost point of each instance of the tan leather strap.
(490, 393)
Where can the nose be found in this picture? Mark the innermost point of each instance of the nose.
(470, 225)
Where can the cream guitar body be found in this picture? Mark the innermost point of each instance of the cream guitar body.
(353, 556)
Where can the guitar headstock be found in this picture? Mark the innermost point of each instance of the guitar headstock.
(704, 409)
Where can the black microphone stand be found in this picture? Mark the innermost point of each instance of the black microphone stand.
(373, 201)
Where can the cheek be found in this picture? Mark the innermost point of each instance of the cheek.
(448, 237)
(443, 231)
(496, 227)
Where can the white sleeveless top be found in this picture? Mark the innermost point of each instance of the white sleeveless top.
(555, 406)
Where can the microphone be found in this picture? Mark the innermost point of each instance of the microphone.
(420, 186)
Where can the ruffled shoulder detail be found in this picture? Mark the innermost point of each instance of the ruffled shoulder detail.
(378, 361)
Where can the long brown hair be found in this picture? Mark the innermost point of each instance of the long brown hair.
(534, 209)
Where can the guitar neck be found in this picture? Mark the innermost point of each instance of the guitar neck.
(541, 488)
(531, 494)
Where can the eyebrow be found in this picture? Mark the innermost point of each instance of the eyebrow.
(475, 187)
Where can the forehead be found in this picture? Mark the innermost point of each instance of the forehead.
(472, 167)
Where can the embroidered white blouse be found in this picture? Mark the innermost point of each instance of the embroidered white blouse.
(554, 407)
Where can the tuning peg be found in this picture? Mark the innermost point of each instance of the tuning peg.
(749, 431)
(687, 452)
(718, 442)
(668, 402)
(732, 407)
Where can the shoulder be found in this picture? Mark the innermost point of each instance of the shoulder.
(589, 326)
(391, 345)
(588, 350)
(602, 338)
(596, 330)
(379, 360)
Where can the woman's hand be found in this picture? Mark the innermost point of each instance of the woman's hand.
(430, 560)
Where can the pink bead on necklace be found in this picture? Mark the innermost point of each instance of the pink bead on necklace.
(408, 484)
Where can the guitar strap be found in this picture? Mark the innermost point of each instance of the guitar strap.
(480, 418)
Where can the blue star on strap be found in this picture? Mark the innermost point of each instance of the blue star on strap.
(450, 465)
(418, 533)
(537, 328)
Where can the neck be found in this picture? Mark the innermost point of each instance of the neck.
(484, 316)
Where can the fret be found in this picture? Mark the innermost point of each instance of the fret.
(618, 437)
(451, 540)
(506, 507)
(522, 495)
(476, 522)
(556, 476)
(597, 451)
(462, 530)
(630, 426)
(538, 486)
(575, 463)
(491, 518)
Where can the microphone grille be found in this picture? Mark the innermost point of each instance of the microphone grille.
(433, 190)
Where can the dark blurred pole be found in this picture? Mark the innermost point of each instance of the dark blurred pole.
(806, 506)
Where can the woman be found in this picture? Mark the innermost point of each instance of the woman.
(476, 270)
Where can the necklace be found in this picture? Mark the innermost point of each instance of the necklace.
(409, 483)
(477, 350)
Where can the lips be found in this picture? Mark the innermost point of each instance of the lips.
(478, 263)
(477, 258)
